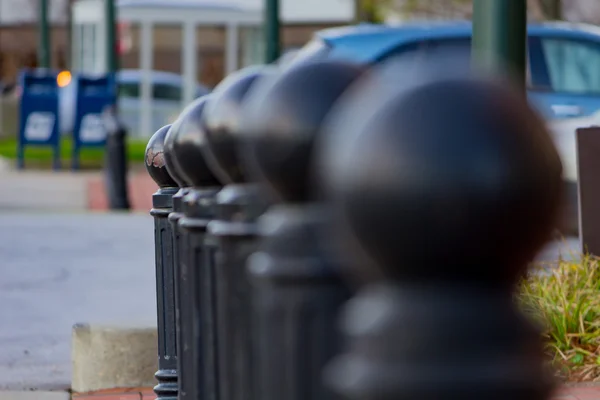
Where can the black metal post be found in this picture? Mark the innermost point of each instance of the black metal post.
(450, 188)
(181, 302)
(297, 288)
(500, 37)
(193, 277)
(115, 164)
(162, 206)
(232, 236)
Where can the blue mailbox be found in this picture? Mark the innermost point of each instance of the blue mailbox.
(94, 94)
(39, 120)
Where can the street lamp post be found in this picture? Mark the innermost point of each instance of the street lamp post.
(500, 37)
(272, 30)
(112, 60)
(44, 36)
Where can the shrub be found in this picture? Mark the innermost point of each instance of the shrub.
(565, 299)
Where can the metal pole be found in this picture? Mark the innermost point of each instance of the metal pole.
(500, 37)
(272, 30)
(69, 55)
(44, 36)
(553, 9)
(112, 58)
(115, 160)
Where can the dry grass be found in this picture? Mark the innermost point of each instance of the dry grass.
(566, 300)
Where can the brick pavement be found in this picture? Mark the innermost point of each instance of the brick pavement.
(118, 394)
(569, 393)
(140, 190)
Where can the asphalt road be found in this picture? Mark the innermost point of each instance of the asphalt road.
(57, 270)
(61, 269)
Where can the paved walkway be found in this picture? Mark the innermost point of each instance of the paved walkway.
(576, 393)
(68, 191)
(141, 188)
(60, 269)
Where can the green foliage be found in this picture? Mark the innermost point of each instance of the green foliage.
(566, 300)
(91, 158)
(372, 11)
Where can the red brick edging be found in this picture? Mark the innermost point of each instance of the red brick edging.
(140, 190)
(117, 394)
(567, 393)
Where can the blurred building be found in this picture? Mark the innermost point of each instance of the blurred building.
(18, 36)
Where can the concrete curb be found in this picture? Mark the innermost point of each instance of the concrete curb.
(106, 357)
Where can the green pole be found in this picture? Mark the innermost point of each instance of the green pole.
(70, 35)
(112, 58)
(272, 31)
(553, 9)
(500, 37)
(44, 36)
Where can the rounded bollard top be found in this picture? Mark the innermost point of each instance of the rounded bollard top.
(170, 161)
(155, 159)
(189, 139)
(285, 117)
(456, 180)
(222, 117)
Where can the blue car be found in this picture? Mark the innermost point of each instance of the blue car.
(563, 72)
(564, 59)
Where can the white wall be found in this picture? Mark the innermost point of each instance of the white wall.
(26, 11)
(311, 10)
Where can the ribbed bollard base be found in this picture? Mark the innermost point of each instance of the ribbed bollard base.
(167, 384)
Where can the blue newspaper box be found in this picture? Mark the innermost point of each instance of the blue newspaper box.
(39, 120)
(94, 94)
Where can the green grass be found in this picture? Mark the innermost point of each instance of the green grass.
(91, 158)
(567, 303)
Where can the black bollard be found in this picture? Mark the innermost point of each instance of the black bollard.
(162, 206)
(181, 302)
(450, 188)
(195, 335)
(115, 164)
(232, 234)
(297, 288)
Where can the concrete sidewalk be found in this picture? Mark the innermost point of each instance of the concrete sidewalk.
(44, 190)
(59, 270)
(68, 191)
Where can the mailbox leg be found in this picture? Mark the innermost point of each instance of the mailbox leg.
(75, 164)
(20, 155)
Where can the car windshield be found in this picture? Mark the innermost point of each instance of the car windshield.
(160, 91)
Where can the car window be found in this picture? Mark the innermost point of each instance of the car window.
(573, 65)
(162, 91)
(131, 90)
